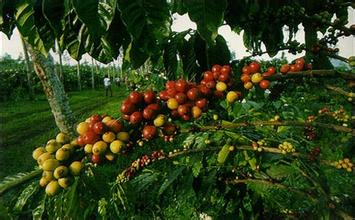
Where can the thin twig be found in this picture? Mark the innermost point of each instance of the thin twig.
(340, 91)
(230, 125)
(313, 73)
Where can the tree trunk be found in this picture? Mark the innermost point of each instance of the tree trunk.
(92, 74)
(29, 71)
(96, 68)
(61, 76)
(78, 75)
(319, 59)
(53, 88)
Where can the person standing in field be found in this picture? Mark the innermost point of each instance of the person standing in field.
(107, 84)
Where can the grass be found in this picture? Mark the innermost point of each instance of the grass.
(27, 124)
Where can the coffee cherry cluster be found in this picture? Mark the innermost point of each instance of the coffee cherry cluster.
(340, 115)
(314, 153)
(187, 100)
(58, 163)
(102, 138)
(286, 147)
(345, 164)
(251, 76)
(311, 118)
(298, 65)
(140, 108)
(310, 132)
(258, 146)
(140, 163)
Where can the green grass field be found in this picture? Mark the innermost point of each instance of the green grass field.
(27, 124)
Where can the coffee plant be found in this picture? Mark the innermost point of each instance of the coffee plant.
(240, 139)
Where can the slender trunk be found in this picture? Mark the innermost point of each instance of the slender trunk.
(53, 88)
(92, 74)
(29, 71)
(96, 69)
(78, 75)
(61, 76)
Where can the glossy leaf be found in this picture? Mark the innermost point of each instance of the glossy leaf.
(219, 53)
(148, 22)
(170, 55)
(69, 39)
(97, 15)
(208, 15)
(7, 21)
(25, 195)
(188, 57)
(45, 31)
(53, 11)
(26, 25)
(177, 6)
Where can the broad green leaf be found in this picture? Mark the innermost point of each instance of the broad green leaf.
(148, 22)
(45, 31)
(25, 195)
(272, 37)
(26, 25)
(37, 213)
(146, 16)
(171, 178)
(70, 39)
(97, 15)
(201, 50)
(196, 161)
(7, 21)
(170, 58)
(188, 56)
(219, 53)
(53, 11)
(280, 171)
(208, 15)
(177, 6)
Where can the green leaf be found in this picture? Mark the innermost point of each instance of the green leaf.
(188, 57)
(177, 6)
(280, 171)
(170, 58)
(37, 213)
(7, 21)
(143, 17)
(25, 22)
(171, 178)
(73, 202)
(148, 22)
(97, 15)
(196, 161)
(14, 180)
(53, 11)
(208, 15)
(219, 53)
(44, 29)
(69, 39)
(25, 195)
